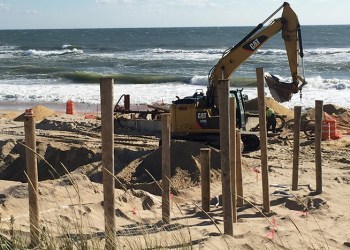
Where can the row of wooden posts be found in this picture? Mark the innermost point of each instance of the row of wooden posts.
(230, 154)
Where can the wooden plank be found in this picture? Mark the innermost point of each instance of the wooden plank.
(107, 131)
(296, 147)
(205, 178)
(233, 157)
(165, 118)
(263, 139)
(239, 174)
(32, 172)
(318, 138)
(225, 155)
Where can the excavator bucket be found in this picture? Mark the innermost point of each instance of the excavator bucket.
(280, 91)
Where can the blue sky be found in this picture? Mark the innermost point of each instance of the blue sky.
(35, 14)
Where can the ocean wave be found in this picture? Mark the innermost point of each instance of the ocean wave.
(10, 97)
(327, 51)
(333, 83)
(199, 80)
(316, 51)
(212, 54)
(6, 48)
(271, 52)
(159, 54)
(71, 47)
(44, 53)
(234, 82)
(7, 51)
(33, 70)
(183, 51)
(92, 77)
(318, 82)
(217, 51)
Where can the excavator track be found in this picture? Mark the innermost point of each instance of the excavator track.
(251, 141)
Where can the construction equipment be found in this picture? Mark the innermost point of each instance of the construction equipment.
(196, 117)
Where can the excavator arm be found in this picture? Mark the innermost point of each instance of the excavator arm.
(235, 56)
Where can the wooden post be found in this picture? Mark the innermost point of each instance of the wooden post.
(263, 139)
(225, 155)
(205, 178)
(107, 128)
(297, 116)
(166, 174)
(318, 137)
(233, 157)
(127, 102)
(239, 175)
(32, 171)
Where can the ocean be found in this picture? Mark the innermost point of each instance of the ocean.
(158, 64)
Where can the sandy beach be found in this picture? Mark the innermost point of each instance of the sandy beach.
(71, 205)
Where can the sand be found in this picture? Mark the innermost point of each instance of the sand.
(71, 204)
(252, 105)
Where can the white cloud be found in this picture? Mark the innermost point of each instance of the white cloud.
(8, 8)
(4, 6)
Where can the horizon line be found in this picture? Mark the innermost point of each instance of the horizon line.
(165, 27)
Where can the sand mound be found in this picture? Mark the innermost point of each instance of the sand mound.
(341, 115)
(184, 157)
(71, 156)
(8, 115)
(40, 113)
(252, 105)
(334, 109)
(185, 167)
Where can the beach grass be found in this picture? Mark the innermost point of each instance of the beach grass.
(70, 228)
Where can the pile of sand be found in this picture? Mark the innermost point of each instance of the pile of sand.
(185, 167)
(341, 115)
(9, 115)
(40, 113)
(252, 105)
(72, 156)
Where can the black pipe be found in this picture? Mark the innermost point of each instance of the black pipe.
(300, 43)
(249, 35)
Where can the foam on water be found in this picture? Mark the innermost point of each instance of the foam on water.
(164, 54)
(199, 80)
(41, 91)
(33, 52)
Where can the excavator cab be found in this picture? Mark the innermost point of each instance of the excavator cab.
(198, 99)
(240, 107)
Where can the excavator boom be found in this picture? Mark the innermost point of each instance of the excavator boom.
(197, 117)
(235, 56)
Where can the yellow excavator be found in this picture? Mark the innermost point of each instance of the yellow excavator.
(197, 117)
